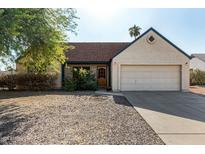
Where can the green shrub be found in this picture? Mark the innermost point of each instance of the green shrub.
(82, 80)
(90, 85)
(69, 85)
(197, 77)
(8, 81)
(85, 80)
(28, 81)
(36, 82)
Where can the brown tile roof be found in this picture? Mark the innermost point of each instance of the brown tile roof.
(94, 51)
(201, 56)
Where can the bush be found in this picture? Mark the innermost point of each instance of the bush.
(197, 77)
(35, 81)
(82, 80)
(85, 80)
(28, 81)
(69, 85)
(90, 85)
(8, 81)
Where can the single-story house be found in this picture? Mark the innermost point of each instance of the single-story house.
(149, 63)
(197, 62)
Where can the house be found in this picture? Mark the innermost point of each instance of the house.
(150, 62)
(197, 62)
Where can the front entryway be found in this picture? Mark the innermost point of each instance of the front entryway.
(101, 77)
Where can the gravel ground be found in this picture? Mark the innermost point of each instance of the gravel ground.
(71, 118)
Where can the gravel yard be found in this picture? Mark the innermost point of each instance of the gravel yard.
(71, 118)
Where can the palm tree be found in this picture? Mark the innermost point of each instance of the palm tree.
(134, 31)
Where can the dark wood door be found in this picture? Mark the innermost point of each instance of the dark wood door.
(102, 77)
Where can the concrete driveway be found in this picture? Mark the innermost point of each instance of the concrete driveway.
(178, 118)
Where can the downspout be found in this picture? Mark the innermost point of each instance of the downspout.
(110, 74)
(62, 74)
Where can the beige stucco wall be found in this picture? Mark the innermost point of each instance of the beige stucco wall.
(58, 82)
(196, 63)
(20, 68)
(143, 53)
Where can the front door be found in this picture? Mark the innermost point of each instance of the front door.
(101, 77)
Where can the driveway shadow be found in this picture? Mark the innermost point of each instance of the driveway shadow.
(121, 100)
(185, 105)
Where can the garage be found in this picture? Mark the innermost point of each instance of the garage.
(150, 63)
(150, 78)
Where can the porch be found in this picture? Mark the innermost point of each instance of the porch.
(100, 70)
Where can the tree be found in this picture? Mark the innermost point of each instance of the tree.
(134, 31)
(36, 36)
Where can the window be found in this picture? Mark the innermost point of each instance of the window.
(101, 73)
(151, 38)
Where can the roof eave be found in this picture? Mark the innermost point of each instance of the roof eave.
(87, 62)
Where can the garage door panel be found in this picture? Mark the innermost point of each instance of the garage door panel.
(150, 78)
(144, 68)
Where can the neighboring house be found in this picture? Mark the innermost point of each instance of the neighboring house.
(197, 62)
(149, 63)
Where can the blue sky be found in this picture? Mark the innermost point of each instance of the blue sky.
(183, 27)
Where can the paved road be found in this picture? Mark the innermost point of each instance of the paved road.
(178, 118)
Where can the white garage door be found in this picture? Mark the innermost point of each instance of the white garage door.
(139, 78)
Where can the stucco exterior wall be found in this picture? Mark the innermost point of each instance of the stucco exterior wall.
(143, 53)
(20, 68)
(196, 63)
(58, 81)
